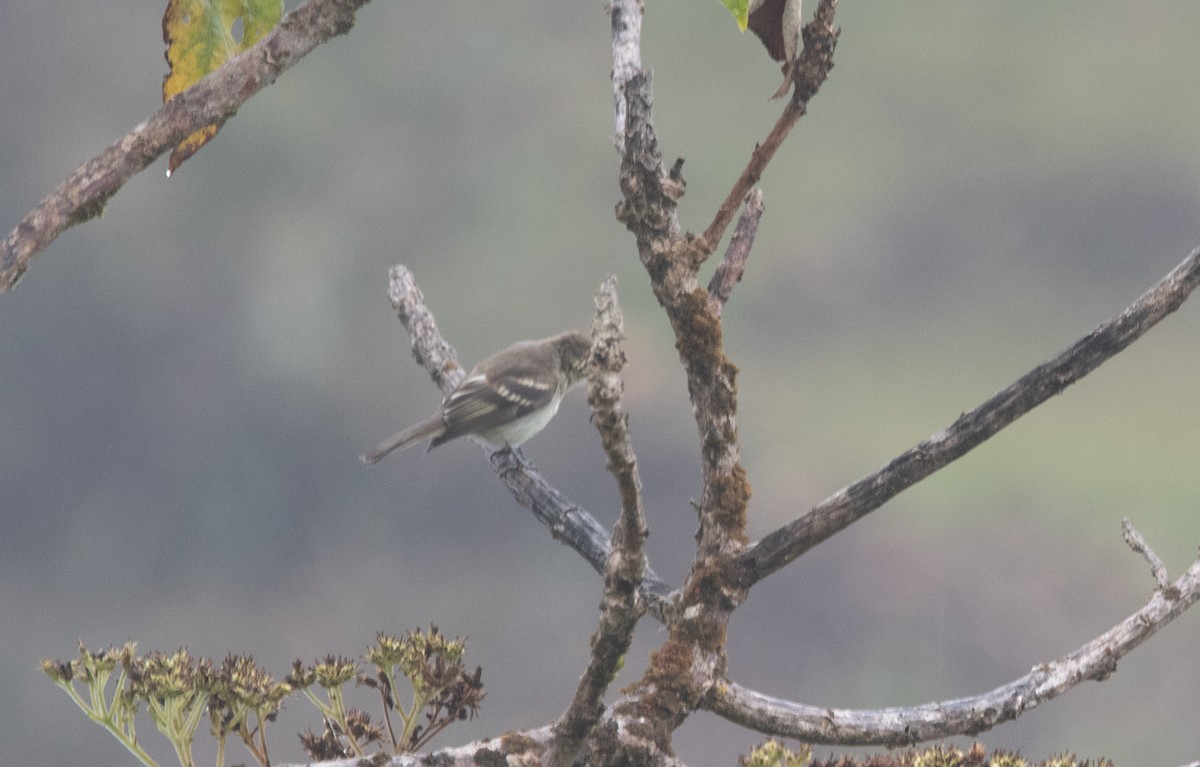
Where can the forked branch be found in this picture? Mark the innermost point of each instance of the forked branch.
(964, 716)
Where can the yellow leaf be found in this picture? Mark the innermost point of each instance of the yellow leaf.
(201, 35)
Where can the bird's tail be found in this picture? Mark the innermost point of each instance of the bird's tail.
(430, 427)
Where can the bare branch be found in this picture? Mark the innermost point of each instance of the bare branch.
(626, 567)
(965, 716)
(604, 395)
(811, 68)
(83, 194)
(693, 656)
(626, 20)
(851, 503)
(649, 210)
(672, 260)
(524, 747)
(429, 349)
(567, 521)
(730, 270)
(1136, 542)
(714, 586)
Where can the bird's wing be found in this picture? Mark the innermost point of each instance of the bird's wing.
(478, 404)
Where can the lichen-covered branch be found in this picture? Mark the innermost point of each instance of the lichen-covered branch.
(526, 747)
(648, 210)
(611, 420)
(693, 656)
(620, 608)
(626, 22)
(83, 194)
(429, 349)
(851, 503)
(1095, 660)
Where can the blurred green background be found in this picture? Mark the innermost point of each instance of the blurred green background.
(185, 383)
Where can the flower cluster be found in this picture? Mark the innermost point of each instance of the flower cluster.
(240, 699)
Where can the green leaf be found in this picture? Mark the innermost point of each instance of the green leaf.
(740, 10)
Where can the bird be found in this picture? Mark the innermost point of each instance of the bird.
(505, 399)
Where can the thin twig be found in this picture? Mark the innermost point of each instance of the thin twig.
(903, 726)
(729, 272)
(760, 157)
(1136, 542)
(620, 608)
(83, 194)
(855, 501)
(811, 70)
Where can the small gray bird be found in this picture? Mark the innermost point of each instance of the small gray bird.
(505, 399)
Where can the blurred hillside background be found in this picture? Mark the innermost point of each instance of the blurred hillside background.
(185, 383)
